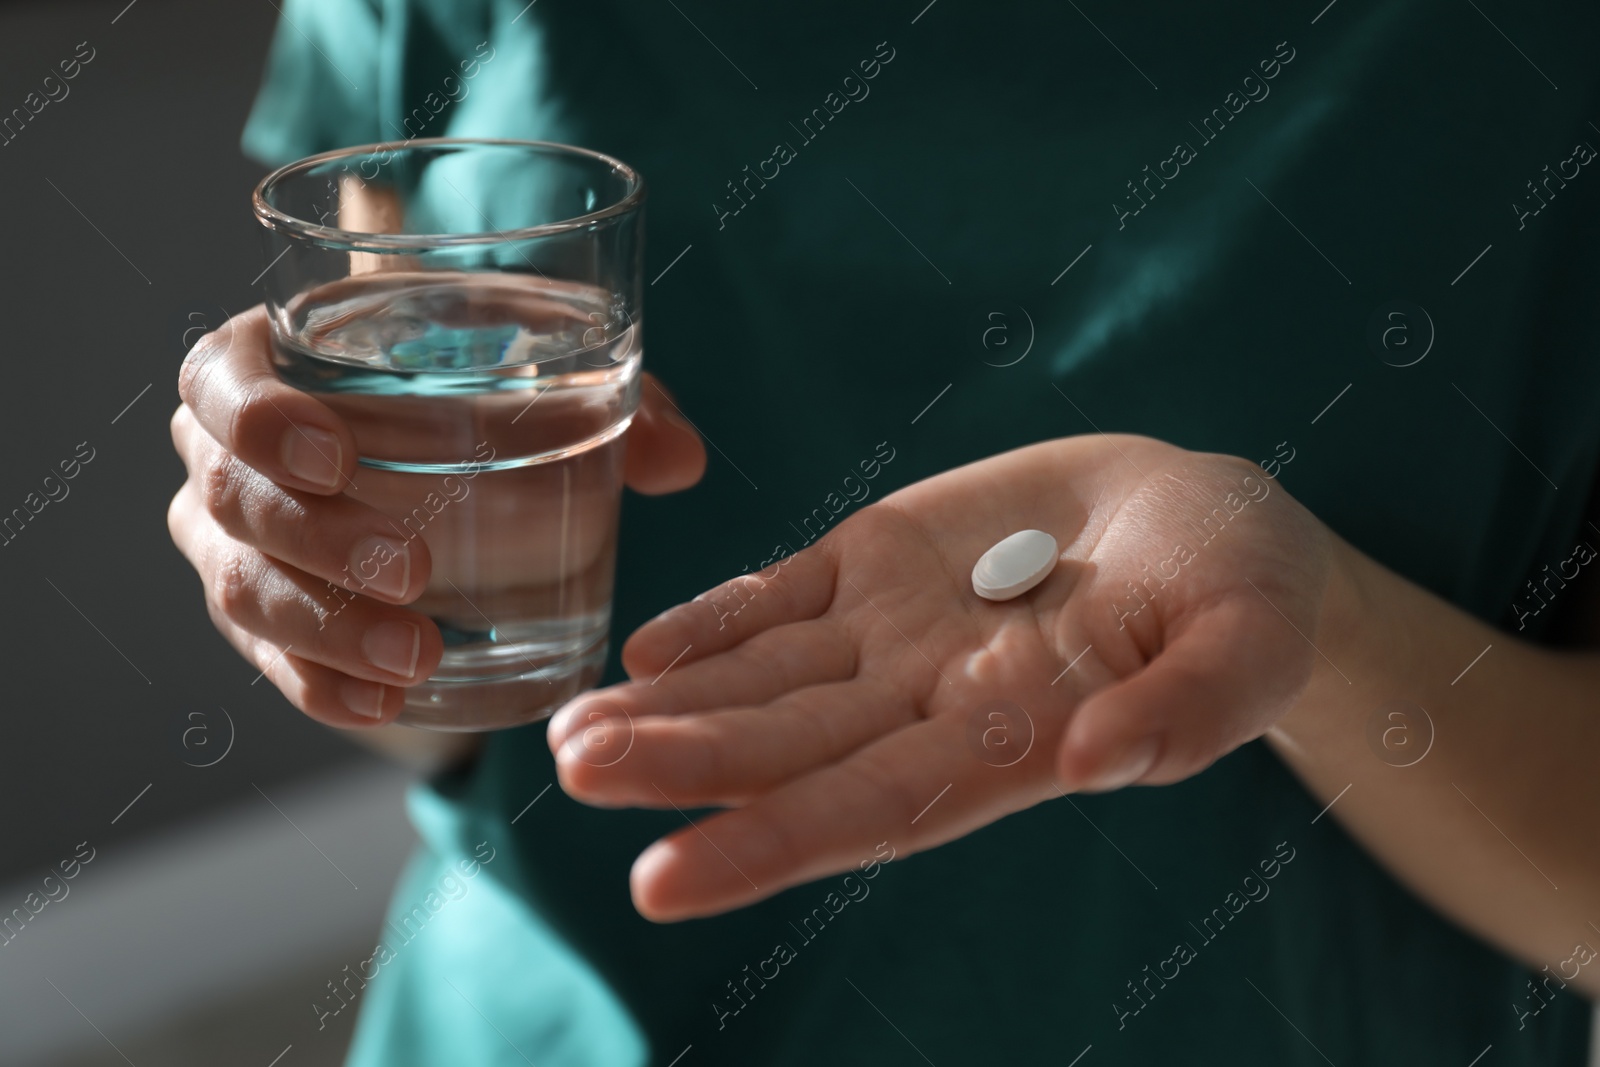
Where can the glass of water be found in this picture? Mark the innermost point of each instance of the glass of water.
(471, 309)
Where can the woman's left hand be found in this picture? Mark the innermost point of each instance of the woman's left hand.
(861, 692)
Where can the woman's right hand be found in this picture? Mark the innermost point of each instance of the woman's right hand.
(264, 519)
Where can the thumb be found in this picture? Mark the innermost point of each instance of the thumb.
(1220, 681)
(664, 450)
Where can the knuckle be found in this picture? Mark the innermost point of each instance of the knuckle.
(189, 373)
(324, 608)
(249, 418)
(294, 678)
(243, 645)
(1244, 468)
(304, 543)
(232, 586)
(178, 427)
(198, 365)
(218, 484)
(177, 510)
(300, 682)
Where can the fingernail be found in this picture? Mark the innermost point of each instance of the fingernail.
(362, 698)
(1127, 768)
(313, 455)
(393, 647)
(560, 725)
(649, 863)
(578, 717)
(384, 564)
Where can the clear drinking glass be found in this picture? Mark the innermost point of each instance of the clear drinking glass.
(471, 308)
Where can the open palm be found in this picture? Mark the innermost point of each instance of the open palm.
(860, 692)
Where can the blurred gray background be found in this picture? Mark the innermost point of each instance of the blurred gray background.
(242, 854)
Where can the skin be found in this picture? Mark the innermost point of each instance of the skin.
(829, 702)
(266, 540)
(843, 697)
(840, 699)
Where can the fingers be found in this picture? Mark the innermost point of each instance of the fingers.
(1219, 683)
(334, 538)
(324, 694)
(792, 590)
(287, 610)
(228, 381)
(726, 757)
(665, 453)
(763, 668)
(915, 789)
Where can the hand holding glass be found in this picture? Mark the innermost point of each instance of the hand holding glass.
(472, 310)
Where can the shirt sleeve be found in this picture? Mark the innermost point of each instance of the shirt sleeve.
(320, 87)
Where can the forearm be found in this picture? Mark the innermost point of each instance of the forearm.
(1495, 825)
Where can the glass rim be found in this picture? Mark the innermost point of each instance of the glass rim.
(280, 221)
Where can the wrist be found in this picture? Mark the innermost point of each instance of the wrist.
(1360, 651)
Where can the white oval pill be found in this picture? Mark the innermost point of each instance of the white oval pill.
(1015, 565)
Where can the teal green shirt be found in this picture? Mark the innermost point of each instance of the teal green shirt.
(936, 233)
